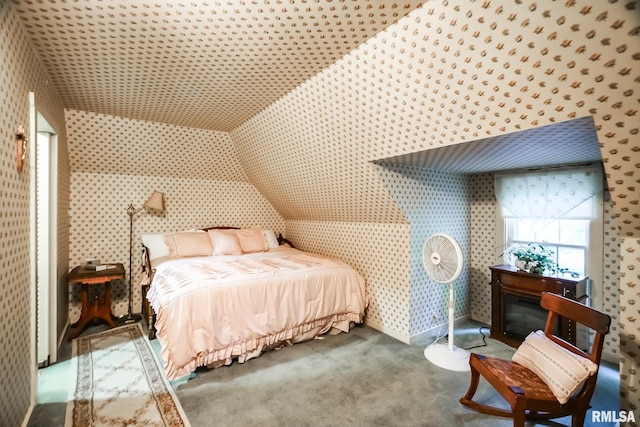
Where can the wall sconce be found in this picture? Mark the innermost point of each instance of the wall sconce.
(22, 143)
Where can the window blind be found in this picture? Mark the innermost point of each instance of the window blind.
(567, 193)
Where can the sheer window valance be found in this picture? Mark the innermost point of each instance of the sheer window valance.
(551, 194)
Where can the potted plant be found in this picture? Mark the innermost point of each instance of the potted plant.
(534, 258)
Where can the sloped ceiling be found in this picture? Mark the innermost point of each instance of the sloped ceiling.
(453, 74)
(567, 143)
(208, 65)
(310, 92)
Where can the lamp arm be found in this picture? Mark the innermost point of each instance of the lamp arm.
(131, 211)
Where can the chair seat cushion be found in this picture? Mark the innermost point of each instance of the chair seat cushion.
(512, 374)
(563, 371)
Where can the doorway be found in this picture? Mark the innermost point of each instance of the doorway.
(46, 242)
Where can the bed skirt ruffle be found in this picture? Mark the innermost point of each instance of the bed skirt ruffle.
(243, 351)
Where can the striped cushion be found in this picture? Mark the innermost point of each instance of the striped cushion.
(564, 372)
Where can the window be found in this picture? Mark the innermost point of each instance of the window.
(559, 208)
(567, 238)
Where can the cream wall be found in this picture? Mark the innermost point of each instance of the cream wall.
(454, 72)
(433, 202)
(380, 252)
(116, 162)
(451, 72)
(21, 73)
(464, 206)
(629, 328)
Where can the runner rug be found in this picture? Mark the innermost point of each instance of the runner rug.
(119, 382)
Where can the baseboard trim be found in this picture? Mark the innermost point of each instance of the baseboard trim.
(54, 357)
(392, 333)
(421, 337)
(27, 417)
(432, 333)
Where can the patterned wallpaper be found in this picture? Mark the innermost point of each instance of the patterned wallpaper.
(433, 202)
(454, 72)
(21, 73)
(450, 72)
(307, 160)
(123, 146)
(117, 161)
(484, 249)
(611, 278)
(571, 142)
(100, 224)
(15, 371)
(380, 252)
(209, 65)
(629, 327)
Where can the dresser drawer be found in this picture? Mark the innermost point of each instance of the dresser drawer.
(535, 284)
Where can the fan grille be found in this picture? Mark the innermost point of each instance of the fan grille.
(442, 258)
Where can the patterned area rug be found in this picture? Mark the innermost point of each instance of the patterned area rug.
(120, 382)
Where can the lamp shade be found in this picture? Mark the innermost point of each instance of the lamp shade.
(156, 201)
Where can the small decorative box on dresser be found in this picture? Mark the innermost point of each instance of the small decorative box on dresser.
(515, 303)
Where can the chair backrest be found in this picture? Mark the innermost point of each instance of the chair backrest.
(599, 322)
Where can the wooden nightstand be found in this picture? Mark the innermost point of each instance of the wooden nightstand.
(99, 308)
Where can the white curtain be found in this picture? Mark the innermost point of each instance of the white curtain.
(551, 193)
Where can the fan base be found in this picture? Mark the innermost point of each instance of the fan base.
(453, 360)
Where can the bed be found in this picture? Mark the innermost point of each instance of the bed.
(220, 295)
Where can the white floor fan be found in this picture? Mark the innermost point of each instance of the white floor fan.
(442, 259)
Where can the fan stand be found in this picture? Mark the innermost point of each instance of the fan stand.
(448, 356)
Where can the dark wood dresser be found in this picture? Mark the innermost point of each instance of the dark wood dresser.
(515, 303)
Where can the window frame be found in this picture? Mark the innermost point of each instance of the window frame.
(595, 249)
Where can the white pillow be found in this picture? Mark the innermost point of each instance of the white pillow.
(156, 245)
(564, 372)
(272, 240)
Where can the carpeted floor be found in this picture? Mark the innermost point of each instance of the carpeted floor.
(363, 378)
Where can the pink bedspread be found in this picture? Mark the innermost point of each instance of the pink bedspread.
(211, 310)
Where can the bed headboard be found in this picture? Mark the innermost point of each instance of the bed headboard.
(282, 240)
(146, 262)
(220, 227)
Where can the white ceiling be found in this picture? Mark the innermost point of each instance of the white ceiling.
(209, 65)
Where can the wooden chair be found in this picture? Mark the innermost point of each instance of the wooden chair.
(527, 395)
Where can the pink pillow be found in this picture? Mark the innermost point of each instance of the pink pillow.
(252, 240)
(188, 244)
(224, 242)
